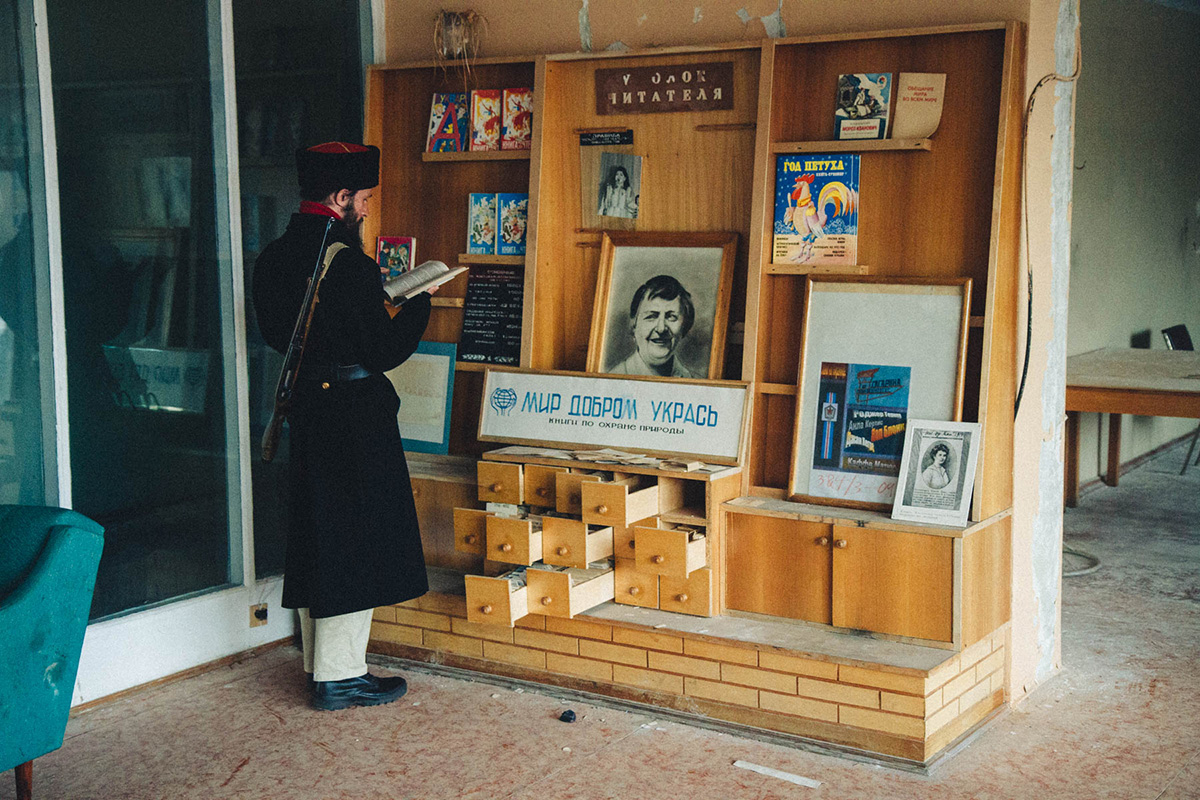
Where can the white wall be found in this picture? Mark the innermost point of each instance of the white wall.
(1135, 235)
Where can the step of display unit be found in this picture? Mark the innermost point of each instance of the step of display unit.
(574, 543)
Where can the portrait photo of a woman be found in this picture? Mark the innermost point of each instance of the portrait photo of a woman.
(937, 471)
(619, 190)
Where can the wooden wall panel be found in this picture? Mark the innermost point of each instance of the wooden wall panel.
(987, 581)
(778, 567)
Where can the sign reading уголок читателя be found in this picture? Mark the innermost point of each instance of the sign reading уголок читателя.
(704, 419)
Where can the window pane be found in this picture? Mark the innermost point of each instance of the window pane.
(21, 476)
(299, 83)
(133, 108)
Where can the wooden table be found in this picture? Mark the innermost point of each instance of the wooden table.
(1118, 380)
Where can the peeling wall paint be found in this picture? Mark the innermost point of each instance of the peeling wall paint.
(585, 28)
(774, 24)
(697, 15)
(743, 15)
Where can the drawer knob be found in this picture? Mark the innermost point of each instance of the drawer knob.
(506, 548)
(485, 609)
(823, 541)
(497, 487)
(631, 543)
(682, 598)
(547, 601)
(470, 538)
(562, 551)
(840, 543)
(416, 491)
(543, 492)
(634, 590)
(657, 559)
(601, 510)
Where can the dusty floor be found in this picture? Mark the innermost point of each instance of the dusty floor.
(1120, 721)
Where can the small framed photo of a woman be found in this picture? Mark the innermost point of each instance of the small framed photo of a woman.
(937, 472)
(619, 193)
(662, 304)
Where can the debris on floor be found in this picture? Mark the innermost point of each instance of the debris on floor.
(799, 780)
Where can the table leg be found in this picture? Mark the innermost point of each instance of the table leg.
(1113, 473)
(1071, 461)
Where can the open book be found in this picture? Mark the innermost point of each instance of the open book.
(418, 279)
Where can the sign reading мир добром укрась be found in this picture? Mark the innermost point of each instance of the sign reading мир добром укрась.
(704, 419)
(670, 87)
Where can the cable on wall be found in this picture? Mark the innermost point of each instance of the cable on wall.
(1052, 77)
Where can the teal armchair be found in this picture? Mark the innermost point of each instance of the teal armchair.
(48, 562)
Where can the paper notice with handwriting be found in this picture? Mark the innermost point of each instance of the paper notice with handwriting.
(918, 100)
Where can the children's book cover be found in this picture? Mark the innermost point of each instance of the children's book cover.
(481, 223)
(513, 210)
(449, 123)
(861, 416)
(396, 255)
(516, 128)
(485, 119)
(816, 209)
(863, 102)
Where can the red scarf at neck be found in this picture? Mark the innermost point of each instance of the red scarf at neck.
(309, 207)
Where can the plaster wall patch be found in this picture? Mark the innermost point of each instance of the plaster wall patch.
(743, 15)
(776, 29)
(617, 45)
(697, 14)
(585, 28)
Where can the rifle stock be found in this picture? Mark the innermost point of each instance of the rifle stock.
(295, 354)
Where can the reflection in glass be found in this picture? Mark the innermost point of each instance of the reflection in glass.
(21, 473)
(133, 108)
(299, 83)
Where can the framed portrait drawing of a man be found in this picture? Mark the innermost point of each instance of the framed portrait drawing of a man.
(662, 303)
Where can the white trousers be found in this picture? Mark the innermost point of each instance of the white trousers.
(335, 648)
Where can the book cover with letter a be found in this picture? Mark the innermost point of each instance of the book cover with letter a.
(449, 121)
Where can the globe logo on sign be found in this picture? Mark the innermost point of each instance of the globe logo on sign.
(503, 400)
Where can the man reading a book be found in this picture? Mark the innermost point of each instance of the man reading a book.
(353, 542)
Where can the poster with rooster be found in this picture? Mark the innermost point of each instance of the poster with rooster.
(816, 209)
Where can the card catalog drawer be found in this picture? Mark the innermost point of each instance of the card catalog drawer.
(572, 543)
(513, 540)
(567, 592)
(625, 541)
(633, 588)
(470, 530)
(500, 483)
(496, 601)
(540, 484)
(618, 504)
(692, 595)
(568, 497)
(669, 552)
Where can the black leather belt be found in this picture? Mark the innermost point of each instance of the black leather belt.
(331, 374)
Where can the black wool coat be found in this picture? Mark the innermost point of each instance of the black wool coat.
(353, 541)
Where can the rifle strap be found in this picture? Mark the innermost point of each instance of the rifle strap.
(330, 253)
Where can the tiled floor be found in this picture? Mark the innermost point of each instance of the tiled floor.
(1121, 721)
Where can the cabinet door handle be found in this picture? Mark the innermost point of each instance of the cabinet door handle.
(634, 590)
(823, 541)
(486, 609)
(682, 598)
(840, 543)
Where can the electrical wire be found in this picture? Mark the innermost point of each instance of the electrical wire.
(1088, 570)
(1053, 76)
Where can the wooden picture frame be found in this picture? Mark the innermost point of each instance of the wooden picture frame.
(425, 385)
(699, 263)
(920, 324)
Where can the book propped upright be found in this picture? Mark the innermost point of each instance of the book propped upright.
(419, 279)
(919, 97)
(863, 104)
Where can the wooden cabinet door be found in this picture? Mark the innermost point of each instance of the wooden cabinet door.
(893, 582)
(778, 566)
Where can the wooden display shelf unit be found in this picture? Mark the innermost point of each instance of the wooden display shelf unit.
(486, 258)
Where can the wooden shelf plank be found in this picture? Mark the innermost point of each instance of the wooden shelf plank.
(776, 388)
(484, 258)
(447, 302)
(469, 366)
(853, 517)
(479, 155)
(816, 269)
(685, 516)
(852, 146)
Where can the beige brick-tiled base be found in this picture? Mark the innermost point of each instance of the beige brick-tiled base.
(906, 713)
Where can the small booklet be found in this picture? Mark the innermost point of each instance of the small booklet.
(409, 284)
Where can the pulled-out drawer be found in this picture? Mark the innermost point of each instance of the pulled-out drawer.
(619, 503)
(565, 592)
(500, 483)
(674, 553)
(470, 530)
(625, 540)
(568, 494)
(573, 543)
(540, 485)
(633, 588)
(514, 540)
(497, 601)
(692, 595)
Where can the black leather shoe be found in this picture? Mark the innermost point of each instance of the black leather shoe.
(366, 690)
